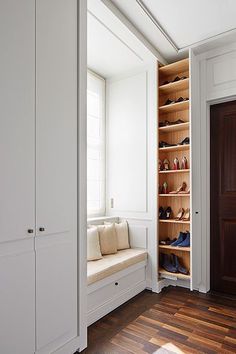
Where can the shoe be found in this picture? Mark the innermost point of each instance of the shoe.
(166, 164)
(186, 215)
(181, 99)
(166, 242)
(160, 165)
(180, 214)
(169, 102)
(176, 164)
(165, 144)
(186, 191)
(181, 189)
(177, 265)
(179, 78)
(159, 189)
(166, 262)
(165, 214)
(164, 123)
(184, 163)
(186, 141)
(165, 188)
(180, 239)
(186, 241)
(166, 82)
(179, 121)
(161, 213)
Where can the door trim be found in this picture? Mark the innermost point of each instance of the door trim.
(205, 105)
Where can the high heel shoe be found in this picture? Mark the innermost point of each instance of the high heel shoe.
(180, 214)
(181, 189)
(166, 165)
(176, 163)
(167, 213)
(160, 165)
(165, 188)
(184, 163)
(186, 215)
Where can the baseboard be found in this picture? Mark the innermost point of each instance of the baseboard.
(105, 308)
(70, 347)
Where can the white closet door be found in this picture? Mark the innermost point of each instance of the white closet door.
(17, 176)
(56, 173)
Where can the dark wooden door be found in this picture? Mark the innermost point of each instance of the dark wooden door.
(223, 197)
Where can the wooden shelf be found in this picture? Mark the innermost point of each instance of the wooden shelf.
(175, 195)
(169, 275)
(175, 107)
(175, 68)
(172, 221)
(174, 171)
(175, 148)
(174, 86)
(174, 127)
(165, 247)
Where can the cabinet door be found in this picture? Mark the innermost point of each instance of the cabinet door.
(56, 172)
(17, 176)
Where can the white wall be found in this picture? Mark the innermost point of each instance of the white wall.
(131, 155)
(216, 72)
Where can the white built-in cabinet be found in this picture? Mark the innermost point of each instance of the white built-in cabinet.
(38, 175)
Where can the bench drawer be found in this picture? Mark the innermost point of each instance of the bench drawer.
(119, 284)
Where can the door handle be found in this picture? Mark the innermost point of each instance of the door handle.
(30, 231)
(41, 229)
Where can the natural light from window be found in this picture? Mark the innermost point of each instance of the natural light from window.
(95, 145)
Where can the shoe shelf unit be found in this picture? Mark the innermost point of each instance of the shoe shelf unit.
(173, 133)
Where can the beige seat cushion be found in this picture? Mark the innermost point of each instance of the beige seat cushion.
(93, 245)
(122, 234)
(107, 238)
(111, 264)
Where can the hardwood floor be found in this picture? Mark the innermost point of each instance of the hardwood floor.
(175, 321)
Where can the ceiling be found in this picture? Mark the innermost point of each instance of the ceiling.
(172, 26)
(113, 49)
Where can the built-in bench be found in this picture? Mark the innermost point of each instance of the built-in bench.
(115, 279)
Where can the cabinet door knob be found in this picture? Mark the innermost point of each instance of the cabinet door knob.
(41, 229)
(116, 283)
(30, 231)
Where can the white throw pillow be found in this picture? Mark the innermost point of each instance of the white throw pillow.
(93, 245)
(108, 239)
(122, 234)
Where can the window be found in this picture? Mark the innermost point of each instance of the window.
(95, 145)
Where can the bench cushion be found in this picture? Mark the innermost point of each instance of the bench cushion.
(112, 263)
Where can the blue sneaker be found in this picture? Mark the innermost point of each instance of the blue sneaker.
(186, 241)
(181, 238)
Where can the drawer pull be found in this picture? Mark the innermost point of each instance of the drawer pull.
(116, 283)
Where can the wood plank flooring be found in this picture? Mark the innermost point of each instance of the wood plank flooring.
(175, 321)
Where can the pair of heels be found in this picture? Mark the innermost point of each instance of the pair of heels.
(163, 144)
(165, 165)
(181, 190)
(180, 99)
(165, 214)
(171, 263)
(182, 241)
(183, 214)
(167, 122)
(177, 78)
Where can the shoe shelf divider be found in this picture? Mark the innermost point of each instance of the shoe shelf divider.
(174, 134)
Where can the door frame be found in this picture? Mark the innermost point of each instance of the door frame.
(81, 171)
(204, 139)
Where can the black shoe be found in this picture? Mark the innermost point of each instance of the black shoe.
(169, 102)
(165, 144)
(181, 99)
(161, 213)
(186, 141)
(179, 78)
(167, 213)
(164, 123)
(179, 121)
